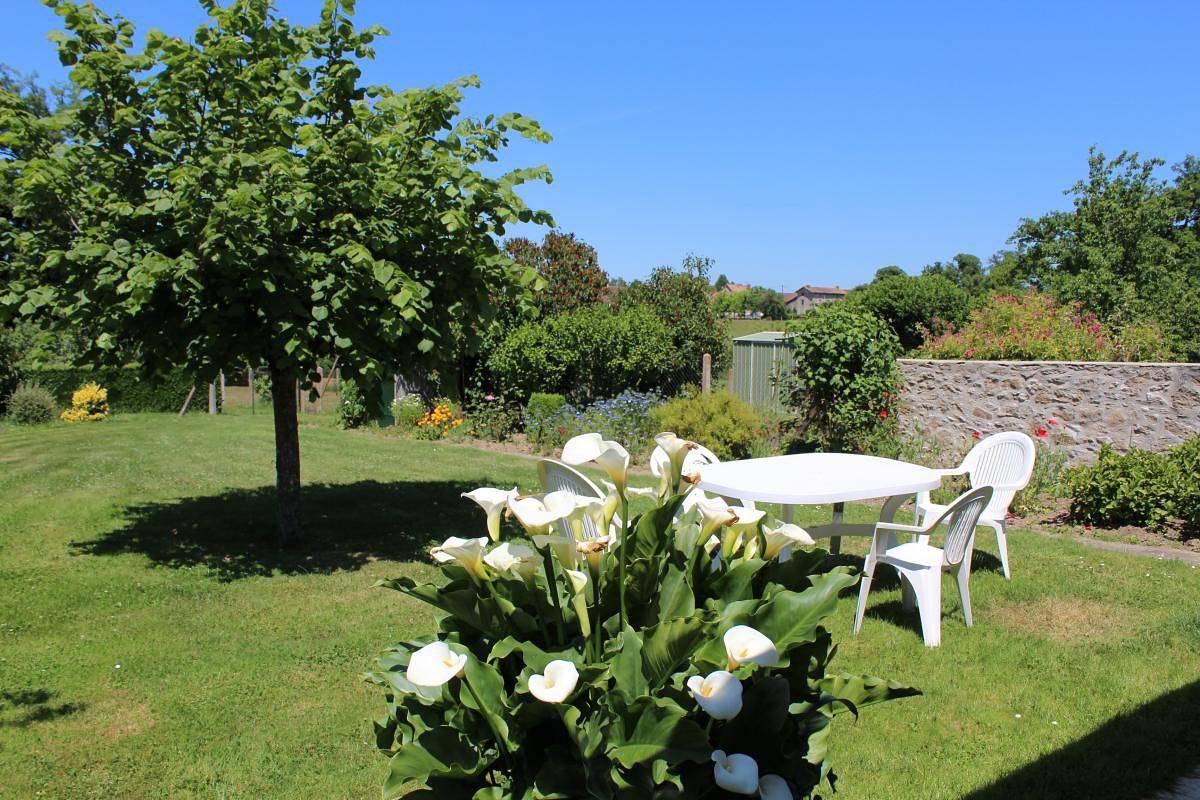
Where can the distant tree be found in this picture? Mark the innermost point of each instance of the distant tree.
(756, 300)
(1129, 249)
(964, 270)
(890, 271)
(569, 266)
(682, 299)
(914, 304)
(241, 196)
(721, 282)
(1004, 275)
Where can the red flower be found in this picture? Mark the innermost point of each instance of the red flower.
(975, 435)
(883, 414)
(1051, 422)
(1042, 431)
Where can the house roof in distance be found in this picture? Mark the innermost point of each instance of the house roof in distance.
(822, 289)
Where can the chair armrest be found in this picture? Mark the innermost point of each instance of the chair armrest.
(896, 526)
(946, 473)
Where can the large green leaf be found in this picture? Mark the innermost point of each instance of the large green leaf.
(857, 691)
(627, 667)
(441, 753)
(668, 645)
(660, 730)
(791, 618)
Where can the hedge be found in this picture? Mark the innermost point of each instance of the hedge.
(129, 390)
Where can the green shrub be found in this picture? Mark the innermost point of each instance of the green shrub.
(407, 411)
(846, 383)
(129, 390)
(720, 421)
(489, 416)
(352, 408)
(914, 304)
(1135, 488)
(31, 405)
(1186, 457)
(540, 409)
(587, 354)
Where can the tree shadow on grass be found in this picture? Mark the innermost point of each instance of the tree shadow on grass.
(33, 706)
(1130, 757)
(346, 526)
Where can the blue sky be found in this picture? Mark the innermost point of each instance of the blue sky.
(792, 142)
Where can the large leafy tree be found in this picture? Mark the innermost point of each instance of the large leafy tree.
(243, 196)
(1128, 249)
(914, 305)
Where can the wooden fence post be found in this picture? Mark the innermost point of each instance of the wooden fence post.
(212, 397)
(250, 383)
(706, 373)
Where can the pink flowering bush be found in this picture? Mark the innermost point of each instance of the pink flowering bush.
(1033, 326)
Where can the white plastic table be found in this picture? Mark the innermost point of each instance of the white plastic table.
(809, 479)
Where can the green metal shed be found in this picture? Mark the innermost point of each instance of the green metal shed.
(756, 358)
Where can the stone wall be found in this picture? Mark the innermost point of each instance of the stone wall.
(1144, 405)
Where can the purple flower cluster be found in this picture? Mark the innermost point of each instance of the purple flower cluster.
(624, 418)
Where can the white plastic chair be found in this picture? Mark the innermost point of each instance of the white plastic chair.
(1005, 463)
(558, 476)
(920, 564)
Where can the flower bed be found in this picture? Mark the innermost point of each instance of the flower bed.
(680, 653)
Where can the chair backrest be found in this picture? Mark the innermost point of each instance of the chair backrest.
(1004, 459)
(961, 518)
(557, 476)
(695, 459)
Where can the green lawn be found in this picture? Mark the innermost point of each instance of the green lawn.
(153, 644)
(744, 327)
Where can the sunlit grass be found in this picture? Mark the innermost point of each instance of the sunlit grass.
(154, 644)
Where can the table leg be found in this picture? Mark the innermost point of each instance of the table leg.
(835, 542)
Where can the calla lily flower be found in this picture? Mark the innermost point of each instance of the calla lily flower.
(610, 456)
(579, 581)
(565, 548)
(746, 521)
(737, 773)
(720, 694)
(773, 787)
(467, 552)
(593, 550)
(493, 502)
(537, 513)
(745, 645)
(515, 558)
(677, 450)
(556, 683)
(435, 664)
(714, 513)
(782, 540)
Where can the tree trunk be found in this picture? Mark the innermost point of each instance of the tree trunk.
(287, 456)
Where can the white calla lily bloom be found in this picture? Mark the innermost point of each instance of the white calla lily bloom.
(714, 513)
(493, 502)
(782, 540)
(565, 548)
(677, 450)
(515, 558)
(556, 683)
(737, 772)
(537, 513)
(467, 552)
(745, 522)
(745, 645)
(720, 694)
(610, 456)
(593, 550)
(435, 664)
(773, 787)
